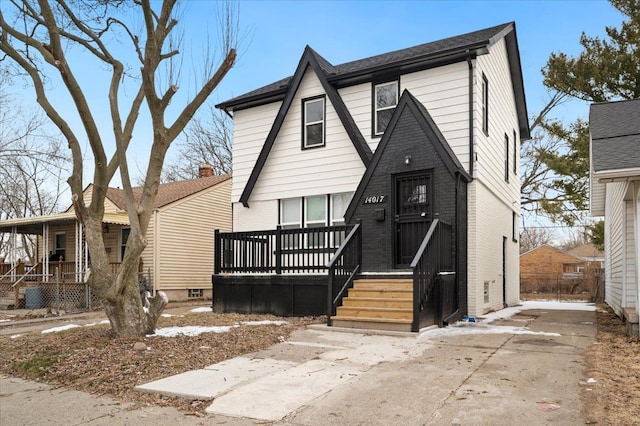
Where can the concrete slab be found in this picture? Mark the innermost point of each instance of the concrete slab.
(215, 379)
(273, 397)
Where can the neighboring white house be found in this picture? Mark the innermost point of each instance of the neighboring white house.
(393, 142)
(615, 194)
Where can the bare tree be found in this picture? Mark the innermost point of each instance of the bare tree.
(531, 238)
(40, 36)
(32, 165)
(209, 141)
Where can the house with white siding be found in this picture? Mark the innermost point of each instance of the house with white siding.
(179, 252)
(383, 192)
(615, 194)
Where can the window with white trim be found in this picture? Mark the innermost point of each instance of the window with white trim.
(315, 212)
(290, 218)
(61, 246)
(485, 104)
(339, 204)
(385, 102)
(313, 123)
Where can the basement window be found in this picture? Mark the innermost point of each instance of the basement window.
(195, 293)
(486, 292)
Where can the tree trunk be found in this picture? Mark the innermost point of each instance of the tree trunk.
(126, 312)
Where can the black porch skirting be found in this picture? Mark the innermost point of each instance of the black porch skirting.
(283, 295)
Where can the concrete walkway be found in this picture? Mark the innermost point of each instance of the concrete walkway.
(526, 369)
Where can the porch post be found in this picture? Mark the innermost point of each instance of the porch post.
(45, 249)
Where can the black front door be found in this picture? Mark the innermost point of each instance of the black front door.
(413, 214)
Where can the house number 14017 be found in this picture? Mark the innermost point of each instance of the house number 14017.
(375, 199)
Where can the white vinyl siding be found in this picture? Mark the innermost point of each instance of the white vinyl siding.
(490, 149)
(614, 245)
(250, 130)
(263, 215)
(291, 172)
(444, 91)
(630, 278)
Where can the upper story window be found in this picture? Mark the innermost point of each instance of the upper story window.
(506, 157)
(485, 104)
(516, 154)
(385, 101)
(313, 123)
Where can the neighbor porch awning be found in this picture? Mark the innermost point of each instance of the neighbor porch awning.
(33, 225)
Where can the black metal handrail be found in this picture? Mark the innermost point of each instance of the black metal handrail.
(343, 267)
(433, 255)
(297, 250)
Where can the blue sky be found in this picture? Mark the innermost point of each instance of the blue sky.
(274, 34)
(341, 31)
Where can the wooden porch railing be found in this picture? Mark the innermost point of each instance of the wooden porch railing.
(299, 250)
(435, 255)
(343, 268)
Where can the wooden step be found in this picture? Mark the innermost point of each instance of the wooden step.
(372, 324)
(379, 302)
(383, 284)
(371, 313)
(366, 293)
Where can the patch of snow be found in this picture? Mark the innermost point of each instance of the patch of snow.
(104, 322)
(171, 315)
(483, 326)
(591, 380)
(61, 328)
(190, 330)
(540, 305)
(465, 328)
(164, 296)
(264, 322)
(202, 309)
(4, 320)
(15, 336)
(145, 309)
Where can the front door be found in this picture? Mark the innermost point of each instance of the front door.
(413, 214)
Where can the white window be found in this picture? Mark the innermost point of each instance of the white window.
(386, 99)
(124, 236)
(339, 204)
(290, 218)
(313, 125)
(315, 212)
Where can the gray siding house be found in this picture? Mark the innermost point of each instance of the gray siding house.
(615, 194)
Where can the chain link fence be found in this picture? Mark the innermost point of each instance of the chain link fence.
(587, 285)
(54, 292)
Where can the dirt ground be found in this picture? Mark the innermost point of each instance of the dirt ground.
(614, 363)
(89, 359)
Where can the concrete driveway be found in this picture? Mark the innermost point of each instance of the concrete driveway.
(524, 369)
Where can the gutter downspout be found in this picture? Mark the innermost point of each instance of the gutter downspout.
(471, 152)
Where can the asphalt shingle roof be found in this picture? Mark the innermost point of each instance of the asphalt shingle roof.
(615, 135)
(168, 192)
(385, 60)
